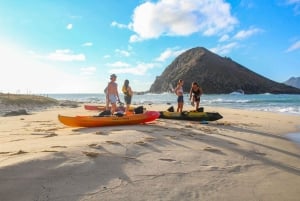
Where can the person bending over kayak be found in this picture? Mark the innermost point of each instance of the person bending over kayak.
(195, 94)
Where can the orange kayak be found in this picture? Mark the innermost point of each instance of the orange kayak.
(96, 121)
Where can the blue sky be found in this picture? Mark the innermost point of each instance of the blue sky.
(63, 46)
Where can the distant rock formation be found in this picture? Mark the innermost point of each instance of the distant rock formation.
(294, 82)
(216, 75)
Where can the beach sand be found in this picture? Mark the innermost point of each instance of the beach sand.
(244, 156)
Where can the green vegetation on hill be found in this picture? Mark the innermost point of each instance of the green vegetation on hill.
(21, 99)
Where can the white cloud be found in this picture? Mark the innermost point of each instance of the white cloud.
(121, 26)
(224, 38)
(69, 26)
(87, 44)
(247, 33)
(123, 52)
(294, 46)
(224, 49)
(181, 18)
(65, 55)
(140, 69)
(168, 53)
(118, 64)
(295, 3)
(87, 71)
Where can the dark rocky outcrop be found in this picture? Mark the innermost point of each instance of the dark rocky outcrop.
(294, 82)
(16, 113)
(216, 75)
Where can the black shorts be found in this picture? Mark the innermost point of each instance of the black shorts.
(127, 99)
(180, 99)
(197, 98)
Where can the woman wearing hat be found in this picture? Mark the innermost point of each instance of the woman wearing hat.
(112, 95)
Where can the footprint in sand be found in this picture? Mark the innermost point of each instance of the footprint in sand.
(223, 123)
(101, 133)
(49, 151)
(171, 137)
(112, 142)
(58, 146)
(166, 159)
(51, 135)
(95, 146)
(16, 140)
(188, 134)
(213, 150)
(150, 139)
(91, 154)
(258, 153)
(141, 143)
(19, 152)
(5, 152)
(233, 143)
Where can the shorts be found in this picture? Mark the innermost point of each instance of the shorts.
(112, 99)
(197, 98)
(180, 99)
(127, 99)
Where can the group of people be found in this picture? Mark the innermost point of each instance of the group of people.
(112, 95)
(195, 93)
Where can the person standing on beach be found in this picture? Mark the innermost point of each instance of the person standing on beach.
(126, 89)
(112, 95)
(179, 92)
(195, 93)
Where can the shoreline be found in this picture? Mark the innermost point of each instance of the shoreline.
(245, 152)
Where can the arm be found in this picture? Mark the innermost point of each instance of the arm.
(191, 93)
(175, 90)
(117, 93)
(130, 91)
(201, 91)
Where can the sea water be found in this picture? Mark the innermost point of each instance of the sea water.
(280, 103)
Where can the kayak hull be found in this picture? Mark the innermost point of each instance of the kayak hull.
(191, 115)
(96, 121)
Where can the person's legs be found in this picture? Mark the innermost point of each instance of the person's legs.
(180, 103)
(180, 106)
(128, 102)
(113, 108)
(113, 101)
(197, 105)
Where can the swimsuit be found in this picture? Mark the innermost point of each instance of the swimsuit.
(180, 99)
(112, 98)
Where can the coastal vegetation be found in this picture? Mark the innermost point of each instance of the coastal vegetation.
(24, 99)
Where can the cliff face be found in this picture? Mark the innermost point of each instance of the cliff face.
(215, 75)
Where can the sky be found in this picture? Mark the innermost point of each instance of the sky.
(63, 46)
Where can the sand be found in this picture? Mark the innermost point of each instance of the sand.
(244, 156)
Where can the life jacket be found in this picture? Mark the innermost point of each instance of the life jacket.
(125, 91)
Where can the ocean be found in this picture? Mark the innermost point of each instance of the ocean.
(279, 103)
